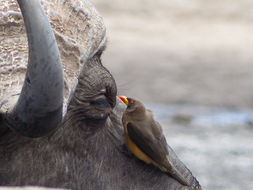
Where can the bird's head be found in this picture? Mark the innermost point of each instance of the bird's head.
(132, 104)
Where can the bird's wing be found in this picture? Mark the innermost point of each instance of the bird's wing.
(153, 143)
(150, 140)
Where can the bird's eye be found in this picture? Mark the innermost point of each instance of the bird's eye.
(131, 101)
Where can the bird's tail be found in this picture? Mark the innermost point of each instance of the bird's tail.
(180, 172)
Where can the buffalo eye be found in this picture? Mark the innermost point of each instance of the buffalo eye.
(100, 102)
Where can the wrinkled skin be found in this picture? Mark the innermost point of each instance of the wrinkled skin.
(85, 148)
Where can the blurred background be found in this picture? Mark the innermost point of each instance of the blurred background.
(191, 62)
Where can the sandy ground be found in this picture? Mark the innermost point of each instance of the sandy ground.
(221, 158)
(194, 52)
(215, 143)
(189, 52)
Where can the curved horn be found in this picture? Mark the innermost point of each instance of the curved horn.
(39, 107)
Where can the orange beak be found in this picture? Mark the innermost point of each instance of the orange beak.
(124, 99)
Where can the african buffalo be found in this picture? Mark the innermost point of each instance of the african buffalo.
(81, 147)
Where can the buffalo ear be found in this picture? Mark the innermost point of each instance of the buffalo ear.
(39, 107)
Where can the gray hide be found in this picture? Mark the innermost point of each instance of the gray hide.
(86, 150)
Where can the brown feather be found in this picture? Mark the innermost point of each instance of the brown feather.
(144, 135)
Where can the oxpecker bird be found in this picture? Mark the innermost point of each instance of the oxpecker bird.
(144, 138)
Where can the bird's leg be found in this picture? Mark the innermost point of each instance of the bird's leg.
(125, 150)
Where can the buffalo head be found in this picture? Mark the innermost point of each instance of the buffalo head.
(83, 148)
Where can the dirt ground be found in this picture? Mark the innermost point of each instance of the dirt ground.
(189, 52)
(221, 158)
(181, 51)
